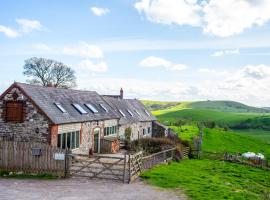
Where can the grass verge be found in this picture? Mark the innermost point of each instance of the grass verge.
(212, 179)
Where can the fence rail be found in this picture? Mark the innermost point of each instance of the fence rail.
(254, 162)
(31, 157)
(157, 158)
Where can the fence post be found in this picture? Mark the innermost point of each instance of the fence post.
(129, 168)
(67, 163)
(125, 162)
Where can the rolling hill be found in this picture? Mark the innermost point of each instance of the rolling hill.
(224, 106)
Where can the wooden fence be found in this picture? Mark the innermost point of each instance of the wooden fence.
(255, 162)
(125, 168)
(157, 158)
(31, 157)
(108, 146)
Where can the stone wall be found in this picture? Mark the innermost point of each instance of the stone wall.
(36, 126)
(87, 133)
(136, 130)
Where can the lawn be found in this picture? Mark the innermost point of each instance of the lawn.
(211, 179)
(220, 141)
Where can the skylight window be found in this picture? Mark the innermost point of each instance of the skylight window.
(123, 114)
(60, 107)
(91, 107)
(104, 108)
(129, 112)
(137, 112)
(79, 108)
(146, 112)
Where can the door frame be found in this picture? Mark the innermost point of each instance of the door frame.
(99, 130)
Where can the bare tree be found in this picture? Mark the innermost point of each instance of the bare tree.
(47, 72)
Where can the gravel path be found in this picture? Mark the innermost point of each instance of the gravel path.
(82, 189)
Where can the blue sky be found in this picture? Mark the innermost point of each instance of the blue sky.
(154, 49)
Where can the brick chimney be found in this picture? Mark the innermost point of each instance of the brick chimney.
(121, 93)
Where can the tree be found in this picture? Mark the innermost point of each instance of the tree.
(179, 123)
(48, 72)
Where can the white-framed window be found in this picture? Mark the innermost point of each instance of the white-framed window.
(149, 130)
(91, 107)
(69, 140)
(79, 108)
(122, 113)
(144, 131)
(60, 107)
(110, 130)
(146, 111)
(136, 111)
(129, 112)
(104, 107)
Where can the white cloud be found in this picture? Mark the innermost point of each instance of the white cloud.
(25, 26)
(88, 65)
(180, 12)
(256, 72)
(8, 32)
(207, 70)
(138, 88)
(229, 17)
(248, 84)
(153, 61)
(99, 11)
(28, 25)
(222, 18)
(84, 50)
(41, 46)
(226, 52)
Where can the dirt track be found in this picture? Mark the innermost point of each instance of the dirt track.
(81, 189)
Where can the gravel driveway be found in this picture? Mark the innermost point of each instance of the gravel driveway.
(82, 189)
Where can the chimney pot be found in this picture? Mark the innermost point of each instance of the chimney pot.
(121, 93)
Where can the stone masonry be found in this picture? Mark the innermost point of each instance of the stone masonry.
(36, 126)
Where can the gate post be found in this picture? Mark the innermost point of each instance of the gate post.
(129, 168)
(125, 163)
(67, 163)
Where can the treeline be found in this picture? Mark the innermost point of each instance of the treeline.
(255, 123)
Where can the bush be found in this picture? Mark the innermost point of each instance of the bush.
(151, 145)
(209, 124)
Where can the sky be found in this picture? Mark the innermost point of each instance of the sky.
(169, 50)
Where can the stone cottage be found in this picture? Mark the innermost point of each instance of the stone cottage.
(134, 115)
(75, 119)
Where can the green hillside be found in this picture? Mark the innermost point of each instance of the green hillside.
(199, 115)
(225, 106)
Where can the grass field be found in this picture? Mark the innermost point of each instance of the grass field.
(214, 179)
(219, 141)
(262, 135)
(231, 119)
(209, 179)
(186, 132)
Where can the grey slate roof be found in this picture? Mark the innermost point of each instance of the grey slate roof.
(132, 105)
(46, 97)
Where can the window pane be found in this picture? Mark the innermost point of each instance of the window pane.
(79, 108)
(73, 140)
(63, 141)
(68, 140)
(103, 107)
(60, 107)
(77, 139)
(91, 107)
(59, 140)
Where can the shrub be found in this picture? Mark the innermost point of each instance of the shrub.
(209, 124)
(151, 145)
